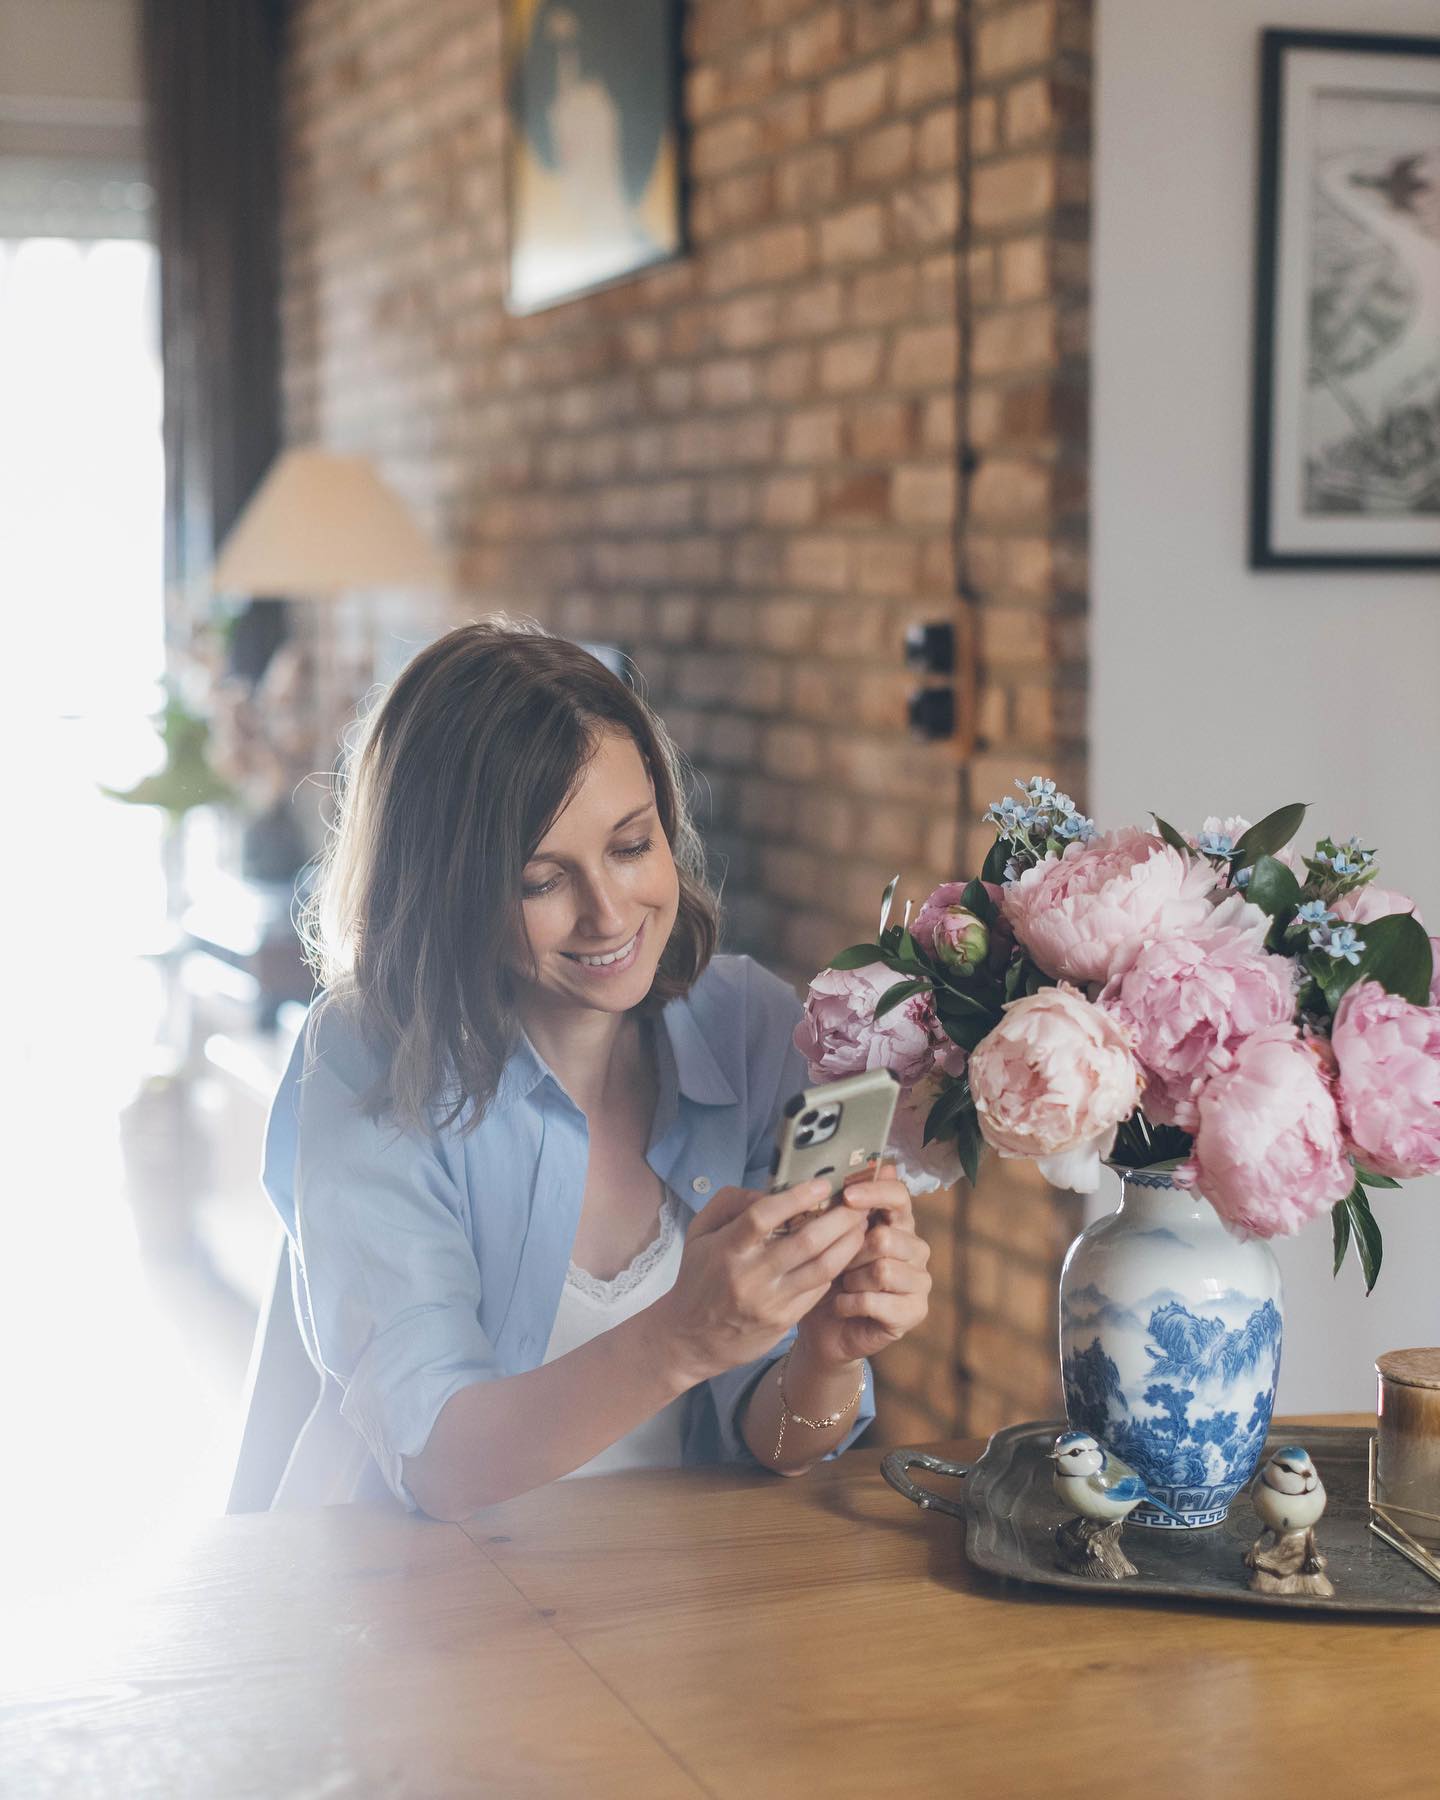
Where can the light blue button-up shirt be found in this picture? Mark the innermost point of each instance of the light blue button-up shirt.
(425, 1262)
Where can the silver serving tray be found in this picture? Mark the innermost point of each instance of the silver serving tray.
(1010, 1516)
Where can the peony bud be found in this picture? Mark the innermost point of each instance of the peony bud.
(960, 940)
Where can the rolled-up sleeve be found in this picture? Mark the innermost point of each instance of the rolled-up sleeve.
(392, 1286)
(776, 1071)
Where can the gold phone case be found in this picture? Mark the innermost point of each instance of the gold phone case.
(837, 1130)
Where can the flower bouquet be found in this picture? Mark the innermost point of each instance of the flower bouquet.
(1259, 1025)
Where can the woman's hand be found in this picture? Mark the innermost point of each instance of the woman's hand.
(884, 1291)
(741, 1287)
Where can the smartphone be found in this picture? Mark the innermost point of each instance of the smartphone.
(836, 1130)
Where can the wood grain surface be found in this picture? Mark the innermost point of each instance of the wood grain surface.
(691, 1632)
(344, 1651)
(825, 1637)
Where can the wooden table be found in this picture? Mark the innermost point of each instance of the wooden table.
(700, 1632)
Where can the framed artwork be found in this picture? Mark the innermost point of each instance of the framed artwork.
(1346, 452)
(593, 150)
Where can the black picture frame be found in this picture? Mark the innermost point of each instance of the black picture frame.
(1288, 531)
(595, 147)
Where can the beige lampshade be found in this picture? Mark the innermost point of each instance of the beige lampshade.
(320, 525)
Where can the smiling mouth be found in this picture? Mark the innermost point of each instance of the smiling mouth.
(605, 959)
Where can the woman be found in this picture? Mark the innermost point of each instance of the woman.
(522, 1148)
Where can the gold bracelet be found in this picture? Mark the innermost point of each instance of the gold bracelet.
(787, 1414)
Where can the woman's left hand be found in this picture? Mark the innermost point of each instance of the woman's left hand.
(885, 1290)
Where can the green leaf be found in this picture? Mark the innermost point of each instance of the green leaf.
(996, 857)
(947, 1109)
(899, 950)
(976, 900)
(887, 899)
(1340, 1233)
(970, 1144)
(1366, 1234)
(1371, 1179)
(1331, 977)
(1397, 954)
(1272, 833)
(1172, 837)
(953, 1002)
(897, 995)
(1273, 887)
(858, 956)
(969, 1033)
(1036, 978)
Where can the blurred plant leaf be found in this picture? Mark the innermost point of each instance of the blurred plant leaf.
(886, 901)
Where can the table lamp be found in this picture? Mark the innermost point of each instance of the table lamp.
(320, 526)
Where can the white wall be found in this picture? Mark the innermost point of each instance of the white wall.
(70, 83)
(70, 50)
(1217, 688)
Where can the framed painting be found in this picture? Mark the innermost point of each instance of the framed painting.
(593, 147)
(1346, 451)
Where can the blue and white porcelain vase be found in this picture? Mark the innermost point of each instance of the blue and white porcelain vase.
(1170, 1346)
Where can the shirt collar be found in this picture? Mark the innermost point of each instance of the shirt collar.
(697, 1074)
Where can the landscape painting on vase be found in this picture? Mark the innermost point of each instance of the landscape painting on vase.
(1182, 1397)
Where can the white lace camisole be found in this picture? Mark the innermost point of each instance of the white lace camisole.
(589, 1306)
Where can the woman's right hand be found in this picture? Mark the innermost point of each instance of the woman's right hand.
(741, 1287)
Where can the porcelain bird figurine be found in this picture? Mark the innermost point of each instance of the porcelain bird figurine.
(1288, 1493)
(1090, 1481)
(1289, 1498)
(1100, 1492)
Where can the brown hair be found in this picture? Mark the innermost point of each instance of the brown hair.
(416, 915)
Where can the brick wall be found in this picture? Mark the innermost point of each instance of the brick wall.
(1024, 538)
(746, 468)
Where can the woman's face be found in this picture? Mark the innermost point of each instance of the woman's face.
(601, 882)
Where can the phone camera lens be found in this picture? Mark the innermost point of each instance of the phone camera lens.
(829, 1118)
(802, 1138)
(810, 1117)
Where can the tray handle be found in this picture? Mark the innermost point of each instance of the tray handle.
(895, 1468)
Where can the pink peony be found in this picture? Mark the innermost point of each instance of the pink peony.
(923, 1167)
(1435, 971)
(1189, 1001)
(1078, 914)
(1269, 1154)
(1361, 905)
(1053, 1080)
(1389, 1057)
(839, 1035)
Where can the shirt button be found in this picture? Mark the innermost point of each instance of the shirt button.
(701, 1184)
